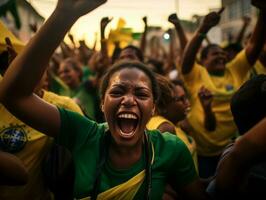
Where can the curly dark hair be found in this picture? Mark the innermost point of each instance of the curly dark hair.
(167, 93)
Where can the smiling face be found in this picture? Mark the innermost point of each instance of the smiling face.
(128, 104)
(215, 60)
(177, 109)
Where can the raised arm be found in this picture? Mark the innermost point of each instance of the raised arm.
(143, 41)
(104, 51)
(256, 41)
(247, 151)
(206, 98)
(179, 30)
(17, 86)
(71, 38)
(189, 56)
(240, 35)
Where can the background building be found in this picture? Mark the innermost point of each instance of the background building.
(232, 16)
(26, 15)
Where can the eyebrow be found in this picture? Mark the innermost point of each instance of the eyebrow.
(137, 87)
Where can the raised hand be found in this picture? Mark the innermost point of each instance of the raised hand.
(173, 18)
(105, 21)
(78, 8)
(144, 19)
(70, 36)
(10, 49)
(33, 27)
(205, 97)
(212, 19)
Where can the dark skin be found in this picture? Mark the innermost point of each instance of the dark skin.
(179, 29)
(71, 37)
(33, 27)
(11, 51)
(206, 98)
(17, 95)
(247, 151)
(144, 34)
(104, 51)
(252, 48)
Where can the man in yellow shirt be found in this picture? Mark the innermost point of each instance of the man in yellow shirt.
(222, 79)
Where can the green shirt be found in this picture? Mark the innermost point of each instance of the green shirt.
(172, 160)
(88, 100)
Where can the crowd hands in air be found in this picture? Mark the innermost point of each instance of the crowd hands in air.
(143, 123)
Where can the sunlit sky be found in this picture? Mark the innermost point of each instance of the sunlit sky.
(132, 11)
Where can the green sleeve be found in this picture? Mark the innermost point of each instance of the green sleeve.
(77, 130)
(183, 169)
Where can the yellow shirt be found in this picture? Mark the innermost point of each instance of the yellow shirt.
(258, 69)
(157, 120)
(222, 88)
(30, 146)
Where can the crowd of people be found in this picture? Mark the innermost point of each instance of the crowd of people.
(143, 123)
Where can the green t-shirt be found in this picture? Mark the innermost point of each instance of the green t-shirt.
(88, 100)
(172, 160)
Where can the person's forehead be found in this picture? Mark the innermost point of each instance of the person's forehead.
(130, 75)
(128, 51)
(179, 90)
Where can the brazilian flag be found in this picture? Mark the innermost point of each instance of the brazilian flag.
(10, 6)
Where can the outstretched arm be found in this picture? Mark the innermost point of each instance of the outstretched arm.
(179, 30)
(189, 57)
(247, 151)
(256, 41)
(246, 22)
(17, 86)
(144, 35)
(104, 51)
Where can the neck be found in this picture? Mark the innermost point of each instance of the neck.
(216, 73)
(125, 157)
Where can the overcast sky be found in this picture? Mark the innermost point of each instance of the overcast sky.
(132, 11)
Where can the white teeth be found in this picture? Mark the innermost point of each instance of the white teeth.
(127, 116)
(126, 134)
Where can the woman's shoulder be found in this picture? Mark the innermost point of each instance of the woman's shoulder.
(77, 120)
(165, 140)
(155, 122)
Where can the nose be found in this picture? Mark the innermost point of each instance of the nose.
(128, 100)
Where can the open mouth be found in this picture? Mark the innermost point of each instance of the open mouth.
(127, 123)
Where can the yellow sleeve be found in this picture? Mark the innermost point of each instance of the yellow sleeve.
(194, 74)
(72, 105)
(62, 101)
(239, 66)
(155, 122)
